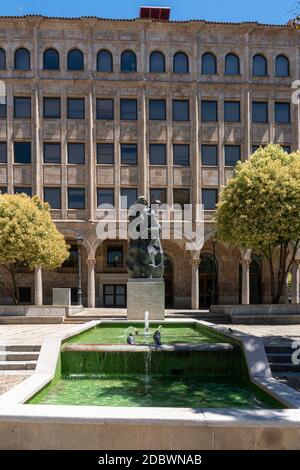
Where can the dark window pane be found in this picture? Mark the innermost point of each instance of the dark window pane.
(232, 154)
(105, 154)
(128, 110)
(72, 261)
(25, 295)
(105, 196)
(52, 108)
(181, 154)
(51, 60)
(232, 111)
(115, 257)
(209, 64)
(181, 110)
(158, 194)
(209, 198)
(157, 110)
(232, 65)
(75, 60)
(259, 66)
(286, 148)
(180, 63)
(181, 196)
(104, 61)
(3, 110)
(53, 197)
(259, 112)
(128, 61)
(282, 66)
(22, 59)
(76, 108)
(157, 154)
(129, 154)
(22, 107)
(157, 62)
(282, 113)
(22, 152)
(128, 197)
(52, 152)
(209, 155)
(256, 147)
(3, 190)
(209, 111)
(23, 190)
(2, 59)
(76, 198)
(3, 152)
(76, 153)
(105, 109)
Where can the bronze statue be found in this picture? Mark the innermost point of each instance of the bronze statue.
(145, 255)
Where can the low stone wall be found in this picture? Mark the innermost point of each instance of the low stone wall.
(283, 314)
(38, 311)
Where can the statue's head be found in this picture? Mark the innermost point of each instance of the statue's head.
(142, 200)
(156, 202)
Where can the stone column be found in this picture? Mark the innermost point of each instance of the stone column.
(295, 282)
(195, 284)
(38, 286)
(91, 282)
(245, 281)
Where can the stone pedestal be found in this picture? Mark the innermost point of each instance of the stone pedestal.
(145, 294)
(61, 296)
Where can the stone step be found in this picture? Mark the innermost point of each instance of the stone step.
(19, 356)
(17, 365)
(20, 347)
(280, 357)
(286, 349)
(284, 367)
(24, 320)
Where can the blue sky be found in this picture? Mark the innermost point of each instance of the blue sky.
(265, 11)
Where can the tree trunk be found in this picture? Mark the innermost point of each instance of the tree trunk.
(14, 293)
(283, 270)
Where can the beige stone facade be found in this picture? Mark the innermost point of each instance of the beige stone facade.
(187, 285)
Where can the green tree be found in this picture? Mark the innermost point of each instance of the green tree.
(260, 209)
(29, 237)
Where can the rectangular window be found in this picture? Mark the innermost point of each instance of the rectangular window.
(53, 197)
(22, 152)
(76, 198)
(128, 197)
(286, 148)
(232, 112)
(209, 155)
(157, 110)
(282, 113)
(23, 190)
(76, 153)
(158, 194)
(72, 261)
(259, 112)
(3, 112)
(76, 108)
(51, 108)
(3, 152)
(22, 107)
(181, 154)
(129, 154)
(25, 295)
(128, 110)
(209, 199)
(105, 154)
(157, 154)
(181, 197)
(181, 110)
(105, 196)
(114, 257)
(209, 111)
(52, 152)
(232, 154)
(3, 190)
(105, 109)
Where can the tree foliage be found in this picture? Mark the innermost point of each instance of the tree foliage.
(260, 209)
(28, 236)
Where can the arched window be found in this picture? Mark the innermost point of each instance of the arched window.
(22, 59)
(260, 68)
(208, 280)
(75, 60)
(282, 66)
(104, 61)
(128, 61)
(180, 63)
(209, 64)
(2, 59)
(51, 59)
(232, 65)
(157, 62)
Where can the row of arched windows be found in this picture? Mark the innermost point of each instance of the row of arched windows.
(157, 62)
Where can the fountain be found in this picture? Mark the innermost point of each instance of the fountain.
(146, 321)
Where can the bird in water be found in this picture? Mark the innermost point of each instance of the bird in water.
(131, 339)
(157, 338)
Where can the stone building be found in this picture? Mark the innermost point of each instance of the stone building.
(99, 108)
